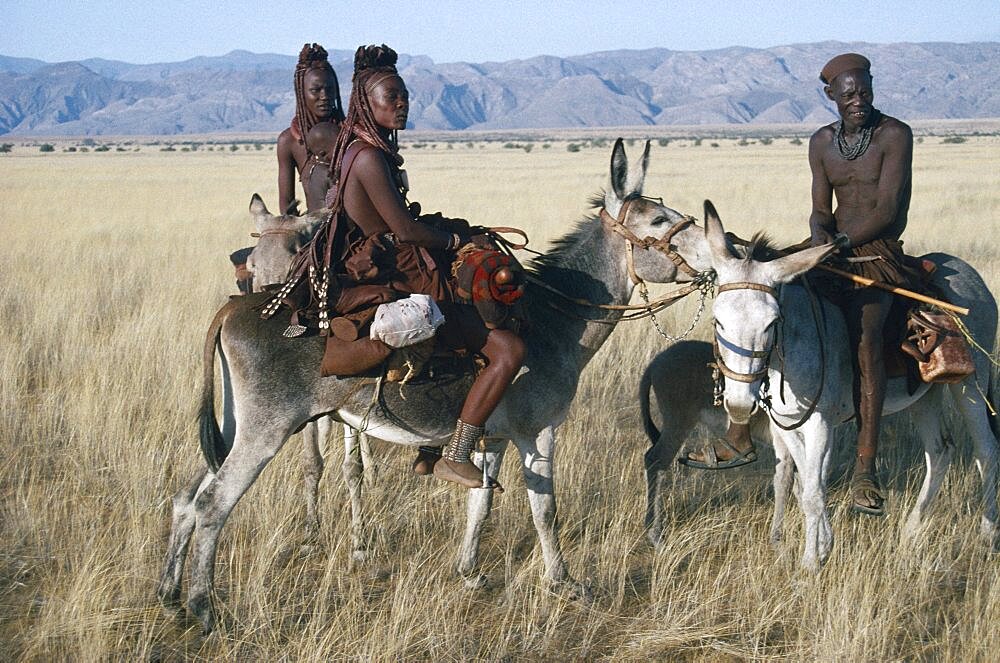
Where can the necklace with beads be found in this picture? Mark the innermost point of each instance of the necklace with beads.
(852, 152)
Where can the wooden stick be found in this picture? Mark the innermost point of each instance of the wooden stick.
(903, 292)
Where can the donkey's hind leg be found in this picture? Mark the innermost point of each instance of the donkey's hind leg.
(975, 412)
(181, 525)
(937, 456)
(214, 503)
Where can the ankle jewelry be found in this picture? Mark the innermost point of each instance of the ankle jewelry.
(463, 441)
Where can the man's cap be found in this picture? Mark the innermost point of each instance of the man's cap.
(841, 63)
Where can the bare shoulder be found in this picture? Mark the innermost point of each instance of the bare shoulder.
(895, 129)
(821, 138)
(286, 137)
(823, 135)
(369, 158)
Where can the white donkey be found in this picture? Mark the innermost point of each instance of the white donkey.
(752, 310)
(279, 239)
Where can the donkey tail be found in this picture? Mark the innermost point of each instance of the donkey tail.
(652, 432)
(213, 444)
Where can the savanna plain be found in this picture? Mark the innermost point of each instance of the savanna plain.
(113, 263)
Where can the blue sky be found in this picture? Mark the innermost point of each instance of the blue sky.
(452, 30)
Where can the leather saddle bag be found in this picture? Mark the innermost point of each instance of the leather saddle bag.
(934, 340)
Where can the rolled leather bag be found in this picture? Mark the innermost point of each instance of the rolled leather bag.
(345, 358)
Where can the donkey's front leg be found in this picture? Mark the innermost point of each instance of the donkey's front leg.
(313, 435)
(537, 458)
(784, 472)
(811, 464)
(478, 505)
(353, 469)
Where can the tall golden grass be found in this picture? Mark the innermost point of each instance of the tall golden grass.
(112, 266)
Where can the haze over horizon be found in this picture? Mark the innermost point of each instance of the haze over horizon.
(474, 32)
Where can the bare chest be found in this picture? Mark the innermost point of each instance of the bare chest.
(860, 172)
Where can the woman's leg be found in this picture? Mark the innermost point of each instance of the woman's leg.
(504, 352)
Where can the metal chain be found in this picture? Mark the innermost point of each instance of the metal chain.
(706, 285)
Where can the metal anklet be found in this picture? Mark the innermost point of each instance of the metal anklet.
(463, 441)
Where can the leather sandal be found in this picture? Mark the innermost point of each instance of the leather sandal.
(710, 459)
(865, 486)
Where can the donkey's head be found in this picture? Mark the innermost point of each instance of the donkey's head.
(643, 221)
(746, 309)
(280, 238)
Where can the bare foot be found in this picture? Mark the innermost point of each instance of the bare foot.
(426, 458)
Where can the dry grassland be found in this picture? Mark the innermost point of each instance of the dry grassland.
(112, 265)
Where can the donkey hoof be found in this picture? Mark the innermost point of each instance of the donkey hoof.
(201, 609)
(572, 590)
(475, 581)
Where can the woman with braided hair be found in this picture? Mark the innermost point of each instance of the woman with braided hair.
(368, 195)
(318, 113)
(317, 101)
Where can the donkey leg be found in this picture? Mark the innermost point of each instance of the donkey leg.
(212, 506)
(478, 505)
(537, 457)
(367, 460)
(937, 456)
(657, 462)
(973, 408)
(814, 451)
(312, 472)
(182, 523)
(784, 474)
(353, 470)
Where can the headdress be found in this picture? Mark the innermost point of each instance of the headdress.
(841, 63)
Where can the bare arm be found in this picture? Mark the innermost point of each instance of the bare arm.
(893, 184)
(286, 171)
(373, 174)
(822, 224)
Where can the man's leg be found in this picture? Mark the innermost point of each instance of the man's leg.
(866, 314)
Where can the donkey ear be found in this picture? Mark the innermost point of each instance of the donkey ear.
(619, 170)
(716, 234)
(257, 206)
(785, 269)
(637, 176)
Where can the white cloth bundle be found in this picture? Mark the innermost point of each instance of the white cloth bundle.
(406, 321)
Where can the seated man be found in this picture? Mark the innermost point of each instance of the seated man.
(864, 159)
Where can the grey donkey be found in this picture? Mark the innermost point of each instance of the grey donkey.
(279, 239)
(272, 386)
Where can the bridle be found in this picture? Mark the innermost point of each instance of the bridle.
(663, 244)
(702, 281)
(720, 365)
(719, 368)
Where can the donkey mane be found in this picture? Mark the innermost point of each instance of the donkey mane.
(760, 248)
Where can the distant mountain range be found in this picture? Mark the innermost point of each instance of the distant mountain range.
(250, 92)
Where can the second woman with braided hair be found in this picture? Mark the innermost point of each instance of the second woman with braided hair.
(317, 102)
(369, 193)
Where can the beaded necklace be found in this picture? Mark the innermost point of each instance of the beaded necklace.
(852, 152)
